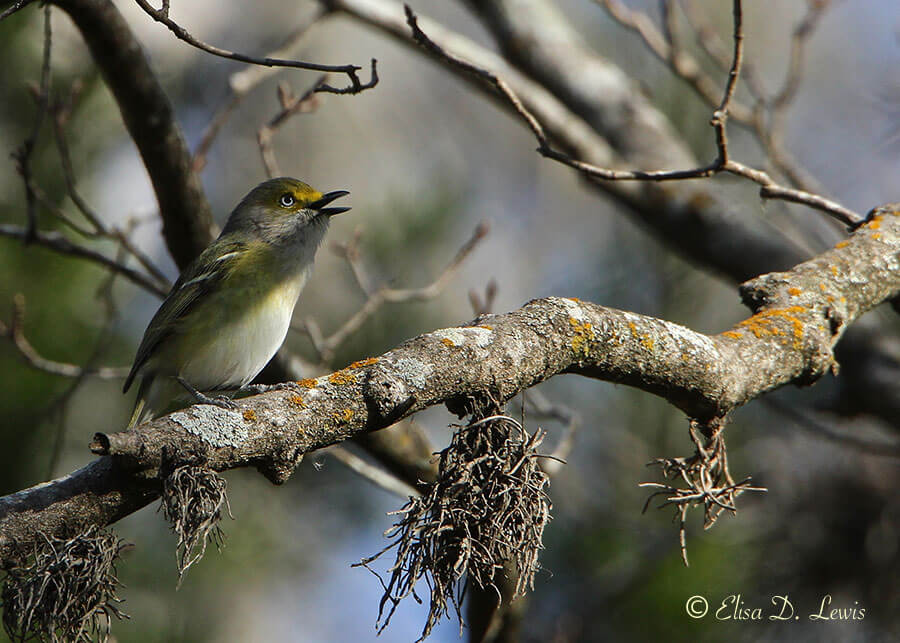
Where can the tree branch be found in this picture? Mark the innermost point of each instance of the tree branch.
(187, 218)
(356, 85)
(798, 317)
(57, 242)
(577, 96)
(722, 163)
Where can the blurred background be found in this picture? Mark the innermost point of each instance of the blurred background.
(426, 159)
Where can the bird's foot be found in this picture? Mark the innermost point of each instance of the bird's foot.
(222, 401)
(266, 388)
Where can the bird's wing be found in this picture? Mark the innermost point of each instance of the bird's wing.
(197, 280)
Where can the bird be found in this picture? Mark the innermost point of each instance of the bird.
(230, 309)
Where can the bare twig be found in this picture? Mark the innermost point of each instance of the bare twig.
(722, 163)
(22, 155)
(373, 474)
(807, 420)
(356, 85)
(539, 405)
(772, 133)
(242, 83)
(59, 243)
(349, 251)
(768, 131)
(397, 295)
(16, 333)
(484, 306)
(58, 406)
(664, 47)
(16, 6)
(290, 105)
(61, 111)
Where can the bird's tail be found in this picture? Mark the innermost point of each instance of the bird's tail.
(142, 410)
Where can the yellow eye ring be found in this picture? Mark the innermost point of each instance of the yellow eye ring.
(286, 200)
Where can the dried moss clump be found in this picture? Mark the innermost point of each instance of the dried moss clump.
(67, 592)
(192, 501)
(706, 478)
(488, 506)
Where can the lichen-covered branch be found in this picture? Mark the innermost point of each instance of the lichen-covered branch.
(798, 317)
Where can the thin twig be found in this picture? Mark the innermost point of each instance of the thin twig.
(772, 134)
(241, 83)
(722, 163)
(806, 420)
(16, 6)
(349, 251)
(58, 243)
(290, 105)
(541, 406)
(59, 406)
(15, 331)
(385, 295)
(665, 47)
(22, 155)
(61, 112)
(683, 65)
(356, 85)
(373, 474)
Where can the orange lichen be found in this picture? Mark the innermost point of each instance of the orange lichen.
(876, 236)
(583, 334)
(363, 363)
(874, 224)
(822, 287)
(842, 244)
(341, 377)
(794, 292)
(307, 383)
(763, 323)
(576, 299)
(834, 269)
(297, 400)
(344, 416)
(249, 415)
(646, 340)
(486, 327)
(734, 334)
(447, 342)
(830, 299)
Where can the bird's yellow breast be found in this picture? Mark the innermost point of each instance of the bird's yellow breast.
(235, 332)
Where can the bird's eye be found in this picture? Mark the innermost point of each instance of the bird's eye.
(286, 200)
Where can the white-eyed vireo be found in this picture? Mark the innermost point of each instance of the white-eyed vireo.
(230, 309)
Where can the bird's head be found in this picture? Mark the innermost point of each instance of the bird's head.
(282, 207)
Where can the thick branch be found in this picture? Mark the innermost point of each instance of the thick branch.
(148, 115)
(799, 316)
(576, 94)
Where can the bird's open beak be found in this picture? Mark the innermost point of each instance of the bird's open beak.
(319, 206)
